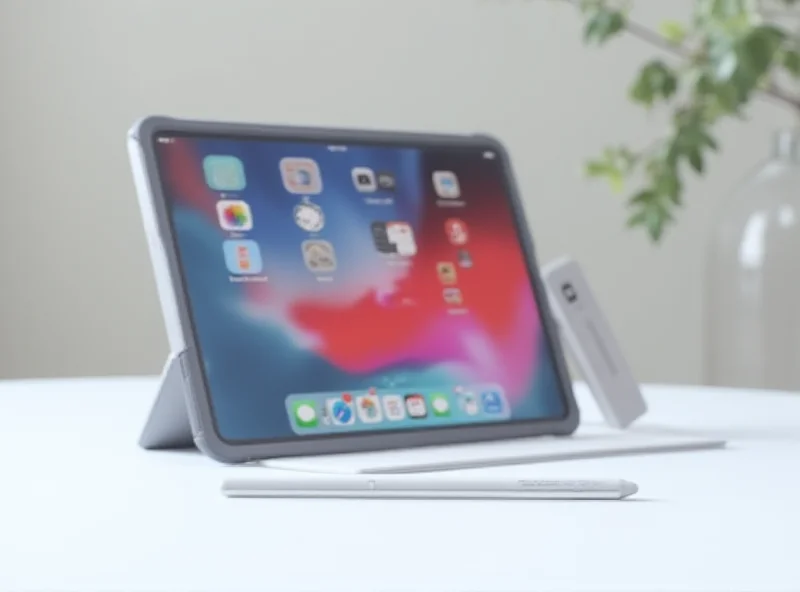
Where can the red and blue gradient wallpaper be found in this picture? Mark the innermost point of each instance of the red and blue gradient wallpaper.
(451, 307)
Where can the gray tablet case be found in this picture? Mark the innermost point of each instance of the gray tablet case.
(182, 412)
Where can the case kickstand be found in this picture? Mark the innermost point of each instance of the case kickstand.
(167, 425)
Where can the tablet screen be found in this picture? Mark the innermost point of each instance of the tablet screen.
(344, 288)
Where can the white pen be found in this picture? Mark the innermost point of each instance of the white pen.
(416, 487)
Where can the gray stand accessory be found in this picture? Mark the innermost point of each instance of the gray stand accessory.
(168, 425)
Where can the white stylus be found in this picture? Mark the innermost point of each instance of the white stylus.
(410, 487)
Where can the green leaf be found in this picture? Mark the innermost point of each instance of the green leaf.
(596, 168)
(740, 61)
(673, 31)
(728, 99)
(696, 160)
(637, 218)
(727, 9)
(708, 141)
(702, 84)
(655, 81)
(669, 184)
(743, 63)
(664, 179)
(689, 141)
(759, 48)
(602, 24)
(645, 196)
(616, 181)
(613, 165)
(791, 61)
(655, 220)
(726, 66)
(651, 211)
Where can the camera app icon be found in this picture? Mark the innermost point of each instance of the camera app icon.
(364, 179)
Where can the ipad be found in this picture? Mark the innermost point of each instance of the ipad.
(334, 290)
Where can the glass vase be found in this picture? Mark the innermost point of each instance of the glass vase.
(752, 312)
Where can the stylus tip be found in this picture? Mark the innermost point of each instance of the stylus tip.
(627, 488)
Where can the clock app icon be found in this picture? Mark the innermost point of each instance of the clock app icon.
(309, 217)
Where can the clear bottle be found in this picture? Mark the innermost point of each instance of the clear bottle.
(752, 312)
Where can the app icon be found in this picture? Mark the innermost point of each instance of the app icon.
(456, 231)
(381, 238)
(464, 259)
(242, 257)
(492, 401)
(453, 296)
(234, 214)
(468, 402)
(401, 236)
(415, 405)
(369, 408)
(224, 173)
(319, 256)
(393, 405)
(364, 179)
(446, 184)
(440, 405)
(309, 217)
(386, 181)
(301, 175)
(305, 413)
(447, 272)
(340, 410)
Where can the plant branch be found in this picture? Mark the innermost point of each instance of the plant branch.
(721, 61)
(774, 14)
(646, 35)
(777, 94)
(653, 38)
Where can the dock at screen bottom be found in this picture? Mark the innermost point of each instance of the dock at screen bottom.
(373, 409)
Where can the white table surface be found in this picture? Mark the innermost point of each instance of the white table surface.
(83, 509)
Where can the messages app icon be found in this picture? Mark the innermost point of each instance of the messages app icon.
(305, 414)
(224, 173)
(440, 405)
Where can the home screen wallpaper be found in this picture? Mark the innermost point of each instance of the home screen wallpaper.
(344, 288)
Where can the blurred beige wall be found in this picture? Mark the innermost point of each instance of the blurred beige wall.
(77, 294)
